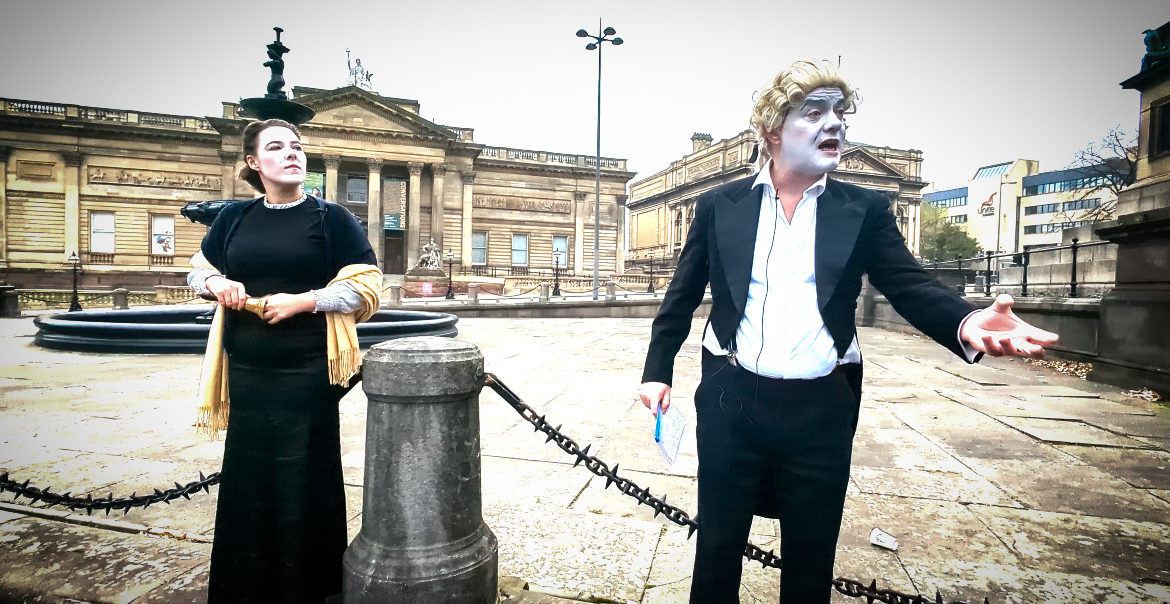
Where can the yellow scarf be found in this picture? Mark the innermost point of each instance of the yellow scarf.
(341, 343)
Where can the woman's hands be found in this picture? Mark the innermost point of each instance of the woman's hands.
(283, 306)
(227, 292)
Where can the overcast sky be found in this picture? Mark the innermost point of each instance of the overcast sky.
(969, 84)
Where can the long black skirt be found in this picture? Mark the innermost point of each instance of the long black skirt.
(280, 522)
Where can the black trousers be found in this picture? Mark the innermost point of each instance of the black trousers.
(778, 448)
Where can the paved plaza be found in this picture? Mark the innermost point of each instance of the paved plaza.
(1002, 479)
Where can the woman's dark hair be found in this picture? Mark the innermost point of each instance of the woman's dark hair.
(251, 140)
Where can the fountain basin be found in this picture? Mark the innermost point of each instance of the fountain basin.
(179, 330)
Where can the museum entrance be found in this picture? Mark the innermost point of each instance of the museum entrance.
(394, 253)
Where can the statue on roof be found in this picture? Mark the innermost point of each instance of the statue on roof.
(358, 75)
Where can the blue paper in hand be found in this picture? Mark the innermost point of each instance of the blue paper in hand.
(668, 432)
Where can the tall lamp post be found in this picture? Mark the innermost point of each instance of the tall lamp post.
(556, 273)
(74, 302)
(650, 289)
(450, 275)
(599, 39)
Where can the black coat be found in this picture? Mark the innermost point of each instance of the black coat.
(856, 234)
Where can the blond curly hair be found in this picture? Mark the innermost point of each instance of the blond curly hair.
(788, 89)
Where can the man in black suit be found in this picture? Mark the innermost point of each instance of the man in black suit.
(784, 252)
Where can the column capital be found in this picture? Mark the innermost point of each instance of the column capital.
(468, 178)
(438, 169)
(72, 159)
(332, 161)
(579, 195)
(414, 167)
(622, 199)
(375, 163)
(228, 158)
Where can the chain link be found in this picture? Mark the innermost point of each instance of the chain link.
(848, 587)
(89, 504)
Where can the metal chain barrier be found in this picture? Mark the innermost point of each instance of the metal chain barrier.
(848, 587)
(89, 504)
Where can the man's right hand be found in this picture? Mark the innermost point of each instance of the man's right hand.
(227, 292)
(652, 393)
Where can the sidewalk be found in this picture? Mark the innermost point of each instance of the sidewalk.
(1003, 479)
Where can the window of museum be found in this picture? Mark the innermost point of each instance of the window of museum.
(101, 233)
(1160, 129)
(561, 244)
(519, 249)
(678, 226)
(356, 188)
(479, 247)
(162, 235)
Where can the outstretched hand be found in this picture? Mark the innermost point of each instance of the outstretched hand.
(997, 331)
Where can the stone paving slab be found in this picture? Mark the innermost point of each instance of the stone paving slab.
(1142, 469)
(1069, 432)
(670, 578)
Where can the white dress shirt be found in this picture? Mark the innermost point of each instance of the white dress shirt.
(782, 307)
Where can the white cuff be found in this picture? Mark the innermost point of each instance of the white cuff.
(969, 351)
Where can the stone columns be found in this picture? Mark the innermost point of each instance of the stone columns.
(579, 210)
(332, 162)
(374, 228)
(423, 538)
(227, 171)
(72, 203)
(413, 207)
(465, 244)
(437, 171)
(619, 261)
(4, 206)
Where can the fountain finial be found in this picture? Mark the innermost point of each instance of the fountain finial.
(275, 104)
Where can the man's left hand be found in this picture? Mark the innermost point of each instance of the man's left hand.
(997, 331)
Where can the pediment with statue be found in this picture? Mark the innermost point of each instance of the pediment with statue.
(859, 160)
(352, 107)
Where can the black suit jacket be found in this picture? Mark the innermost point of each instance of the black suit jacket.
(856, 235)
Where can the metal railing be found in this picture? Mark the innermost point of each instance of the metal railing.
(988, 270)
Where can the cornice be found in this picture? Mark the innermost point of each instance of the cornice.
(108, 130)
(700, 184)
(496, 165)
(40, 194)
(375, 136)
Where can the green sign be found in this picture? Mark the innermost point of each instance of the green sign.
(392, 222)
(315, 184)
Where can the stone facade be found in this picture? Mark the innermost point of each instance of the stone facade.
(662, 206)
(109, 184)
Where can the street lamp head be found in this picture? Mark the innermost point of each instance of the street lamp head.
(591, 46)
(616, 41)
(73, 259)
(450, 255)
(582, 33)
(609, 31)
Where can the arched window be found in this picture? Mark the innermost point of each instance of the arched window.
(678, 226)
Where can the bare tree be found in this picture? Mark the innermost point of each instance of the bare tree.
(1110, 165)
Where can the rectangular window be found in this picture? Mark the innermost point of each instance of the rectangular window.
(1053, 227)
(162, 235)
(561, 244)
(1047, 208)
(1082, 204)
(1160, 130)
(479, 247)
(101, 232)
(959, 219)
(519, 249)
(356, 188)
(952, 202)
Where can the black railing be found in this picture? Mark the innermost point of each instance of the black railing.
(990, 272)
(481, 270)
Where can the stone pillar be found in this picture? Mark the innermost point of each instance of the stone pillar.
(472, 293)
(413, 207)
(227, 172)
(9, 302)
(437, 171)
(374, 229)
(465, 245)
(121, 298)
(423, 538)
(579, 211)
(3, 206)
(332, 162)
(544, 292)
(395, 295)
(610, 291)
(72, 176)
(619, 261)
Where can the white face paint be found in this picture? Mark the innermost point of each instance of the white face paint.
(813, 134)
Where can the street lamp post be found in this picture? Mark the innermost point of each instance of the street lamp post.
(450, 275)
(74, 302)
(650, 288)
(581, 33)
(556, 273)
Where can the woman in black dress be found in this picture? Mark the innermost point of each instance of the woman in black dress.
(280, 522)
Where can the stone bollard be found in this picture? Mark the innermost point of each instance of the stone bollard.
(544, 293)
(395, 295)
(160, 294)
(121, 298)
(423, 539)
(9, 301)
(472, 293)
(610, 291)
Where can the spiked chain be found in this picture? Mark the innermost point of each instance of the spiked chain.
(89, 504)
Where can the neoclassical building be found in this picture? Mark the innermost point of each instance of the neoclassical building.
(108, 184)
(662, 206)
